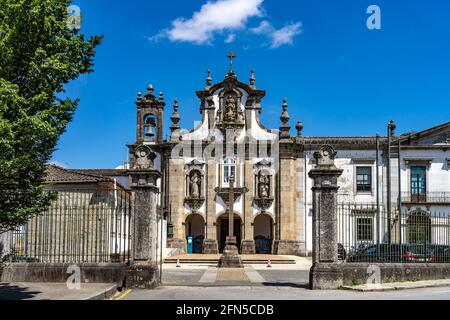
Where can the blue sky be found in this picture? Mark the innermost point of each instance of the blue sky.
(339, 77)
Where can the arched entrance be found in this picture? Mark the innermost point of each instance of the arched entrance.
(418, 227)
(222, 230)
(263, 232)
(195, 228)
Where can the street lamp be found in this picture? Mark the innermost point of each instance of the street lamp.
(390, 133)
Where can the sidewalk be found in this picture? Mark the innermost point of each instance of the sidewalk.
(399, 285)
(55, 291)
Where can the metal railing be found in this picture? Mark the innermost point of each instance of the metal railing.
(414, 236)
(428, 197)
(80, 226)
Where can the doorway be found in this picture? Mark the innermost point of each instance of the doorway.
(222, 230)
(195, 228)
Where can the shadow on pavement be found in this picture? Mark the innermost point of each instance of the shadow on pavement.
(10, 292)
(286, 284)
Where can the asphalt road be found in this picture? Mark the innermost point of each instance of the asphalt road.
(287, 292)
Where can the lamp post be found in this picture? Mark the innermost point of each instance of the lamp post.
(377, 163)
(390, 132)
(399, 203)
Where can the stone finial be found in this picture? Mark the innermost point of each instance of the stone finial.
(209, 79)
(161, 96)
(299, 127)
(139, 96)
(175, 117)
(391, 127)
(285, 128)
(150, 89)
(252, 79)
(325, 156)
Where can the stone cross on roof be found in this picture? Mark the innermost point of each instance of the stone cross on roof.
(231, 56)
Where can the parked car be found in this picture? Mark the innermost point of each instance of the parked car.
(396, 253)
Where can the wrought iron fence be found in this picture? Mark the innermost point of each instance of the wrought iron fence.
(367, 233)
(81, 226)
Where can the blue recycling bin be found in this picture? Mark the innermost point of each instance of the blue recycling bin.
(190, 245)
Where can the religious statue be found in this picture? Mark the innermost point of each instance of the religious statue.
(194, 185)
(230, 109)
(143, 159)
(263, 186)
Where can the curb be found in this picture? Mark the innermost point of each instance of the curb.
(382, 288)
(105, 294)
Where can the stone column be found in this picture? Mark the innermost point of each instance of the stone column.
(325, 273)
(143, 271)
(230, 257)
(210, 244)
(248, 243)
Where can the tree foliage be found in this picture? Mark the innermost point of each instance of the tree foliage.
(39, 54)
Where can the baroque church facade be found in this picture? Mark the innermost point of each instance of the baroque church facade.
(230, 154)
(271, 187)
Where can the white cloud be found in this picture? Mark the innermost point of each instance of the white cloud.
(60, 164)
(281, 36)
(213, 17)
(231, 37)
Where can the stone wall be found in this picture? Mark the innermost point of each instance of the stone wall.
(358, 273)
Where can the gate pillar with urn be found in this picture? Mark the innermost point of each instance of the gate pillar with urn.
(143, 272)
(325, 273)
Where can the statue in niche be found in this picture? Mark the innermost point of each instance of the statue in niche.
(230, 109)
(194, 185)
(263, 186)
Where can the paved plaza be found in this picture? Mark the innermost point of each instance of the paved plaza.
(259, 274)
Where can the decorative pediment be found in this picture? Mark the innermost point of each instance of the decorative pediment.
(194, 165)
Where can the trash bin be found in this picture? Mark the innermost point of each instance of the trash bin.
(190, 245)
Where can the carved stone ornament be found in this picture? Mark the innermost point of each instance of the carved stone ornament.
(263, 203)
(263, 186)
(144, 158)
(325, 156)
(194, 203)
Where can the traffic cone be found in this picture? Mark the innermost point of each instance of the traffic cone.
(269, 264)
(178, 263)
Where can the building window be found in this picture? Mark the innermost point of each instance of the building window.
(418, 183)
(363, 179)
(229, 169)
(364, 229)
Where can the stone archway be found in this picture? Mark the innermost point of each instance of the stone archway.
(222, 230)
(195, 228)
(263, 232)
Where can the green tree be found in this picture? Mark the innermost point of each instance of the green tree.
(39, 53)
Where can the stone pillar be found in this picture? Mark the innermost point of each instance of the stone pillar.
(210, 244)
(177, 194)
(143, 271)
(325, 273)
(248, 243)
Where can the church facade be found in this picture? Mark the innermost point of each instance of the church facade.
(272, 191)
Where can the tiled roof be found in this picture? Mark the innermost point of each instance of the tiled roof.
(54, 173)
(102, 172)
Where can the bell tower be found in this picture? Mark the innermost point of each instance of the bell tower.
(150, 115)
